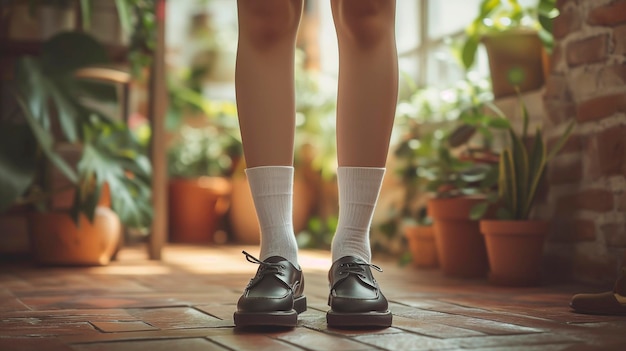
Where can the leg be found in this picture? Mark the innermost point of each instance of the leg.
(266, 105)
(367, 96)
(264, 79)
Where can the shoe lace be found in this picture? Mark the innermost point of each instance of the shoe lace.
(356, 268)
(266, 267)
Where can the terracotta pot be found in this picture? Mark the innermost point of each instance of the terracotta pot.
(511, 53)
(57, 240)
(515, 250)
(460, 246)
(196, 207)
(242, 215)
(421, 240)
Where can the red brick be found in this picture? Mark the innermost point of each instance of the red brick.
(606, 156)
(594, 270)
(619, 33)
(559, 111)
(590, 50)
(613, 75)
(556, 57)
(576, 230)
(597, 200)
(574, 144)
(601, 107)
(621, 202)
(565, 172)
(614, 234)
(612, 14)
(566, 22)
(557, 88)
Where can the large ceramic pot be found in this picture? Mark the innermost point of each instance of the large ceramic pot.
(515, 250)
(57, 240)
(460, 246)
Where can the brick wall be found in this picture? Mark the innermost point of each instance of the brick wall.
(587, 180)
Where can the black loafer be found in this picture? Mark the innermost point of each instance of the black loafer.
(273, 297)
(355, 298)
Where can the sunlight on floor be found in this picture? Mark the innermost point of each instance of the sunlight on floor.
(200, 259)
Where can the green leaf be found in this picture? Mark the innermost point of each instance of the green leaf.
(46, 143)
(537, 162)
(468, 52)
(519, 166)
(478, 211)
(85, 10)
(561, 142)
(17, 162)
(124, 14)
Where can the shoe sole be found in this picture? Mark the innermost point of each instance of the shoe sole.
(273, 318)
(371, 319)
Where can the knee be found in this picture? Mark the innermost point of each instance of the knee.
(266, 23)
(365, 22)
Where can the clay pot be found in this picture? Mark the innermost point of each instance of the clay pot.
(421, 240)
(515, 53)
(515, 250)
(57, 240)
(460, 246)
(196, 207)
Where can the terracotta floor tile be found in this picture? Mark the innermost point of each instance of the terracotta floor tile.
(407, 341)
(186, 302)
(256, 342)
(32, 344)
(177, 318)
(195, 344)
(319, 341)
(122, 326)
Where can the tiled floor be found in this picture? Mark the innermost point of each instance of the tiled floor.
(186, 302)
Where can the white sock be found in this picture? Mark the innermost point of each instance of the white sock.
(358, 193)
(272, 192)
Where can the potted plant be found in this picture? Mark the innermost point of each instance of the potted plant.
(445, 160)
(200, 160)
(514, 240)
(517, 39)
(53, 124)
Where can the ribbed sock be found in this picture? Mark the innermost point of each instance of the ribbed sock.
(272, 192)
(358, 193)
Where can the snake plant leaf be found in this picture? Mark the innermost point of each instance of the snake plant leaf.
(17, 162)
(519, 167)
(510, 181)
(478, 211)
(561, 142)
(537, 162)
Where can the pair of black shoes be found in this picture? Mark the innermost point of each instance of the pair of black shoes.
(274, 297)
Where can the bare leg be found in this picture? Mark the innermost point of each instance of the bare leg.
(368, 80)
(264, 79)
